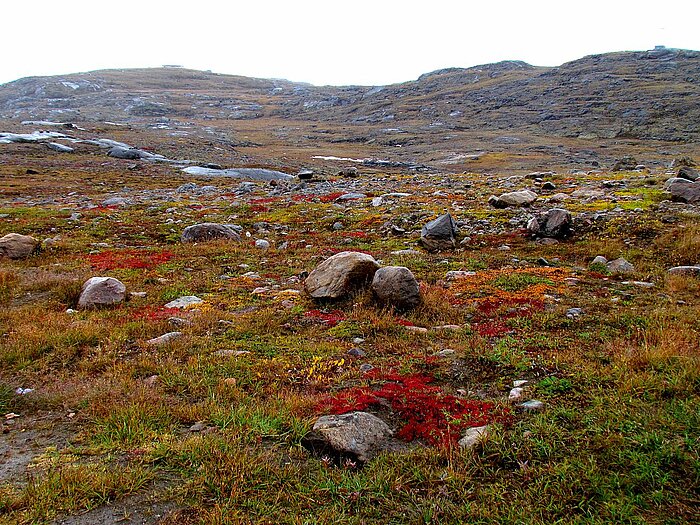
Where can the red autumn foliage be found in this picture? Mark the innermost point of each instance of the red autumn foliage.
(330, 319)
(152, 313)
(429, 414)
(404, 322)
(332, 196)
(357, 235)
(128, 259)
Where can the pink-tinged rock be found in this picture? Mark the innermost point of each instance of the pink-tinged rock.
(99, 292)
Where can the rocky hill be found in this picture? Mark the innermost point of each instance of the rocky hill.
(648, 95)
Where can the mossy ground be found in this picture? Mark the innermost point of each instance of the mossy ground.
(618, 441)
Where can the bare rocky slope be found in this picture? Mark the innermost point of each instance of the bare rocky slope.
(644, 95)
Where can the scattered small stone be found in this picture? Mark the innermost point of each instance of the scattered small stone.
(199, 426)
(165, 339)
(473, 436)
(520, 382)
(599, 259)
(447, 352)
(515, 393)
(184, 302)
(573, 313)
(416, 329)
(151, 381)
(356, 352)
(262, 244)
(366, 367)
(532, 406)
(620, 266)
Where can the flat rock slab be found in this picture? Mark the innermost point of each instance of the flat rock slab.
(239, 173)
(184, 302)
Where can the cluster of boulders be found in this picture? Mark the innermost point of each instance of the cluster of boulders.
(347, 272)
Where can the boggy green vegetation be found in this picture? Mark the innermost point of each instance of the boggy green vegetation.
(617, 441)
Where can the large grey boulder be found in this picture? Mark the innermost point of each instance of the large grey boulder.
(684, 191)
(340, 275)
(17, 246)
(513, 199)
(439, 234)
(208, 231)
(396, 286)
(555, 223)
(99, 292)
(360, 435)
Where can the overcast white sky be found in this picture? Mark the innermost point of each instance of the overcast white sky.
(369, 42)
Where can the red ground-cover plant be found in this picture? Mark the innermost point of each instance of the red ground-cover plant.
(331, 196)
(303, 198)
(330, 319)
(357, 235)
(265, 200)
(404, 322)
(152, 313)
(128, 259)
(429, 414)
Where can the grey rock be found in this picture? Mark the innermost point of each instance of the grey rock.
(693, 271)
(114, 201)
(340, 275)
(626, 163)
(305, 174)
(684, 191)
(513, 199)
(439, 234)
(688, 173)
(358, 434)
(396, 286)
(532, 406)
(473, 436)
(184, 302)
(165, 338)
(262, 244)
(620, 265)
(208, 231)
(573, 313)
(599, 259)
(555, 223)
(61, 148)
(17, 246)
(125, 153)
(99, 292)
